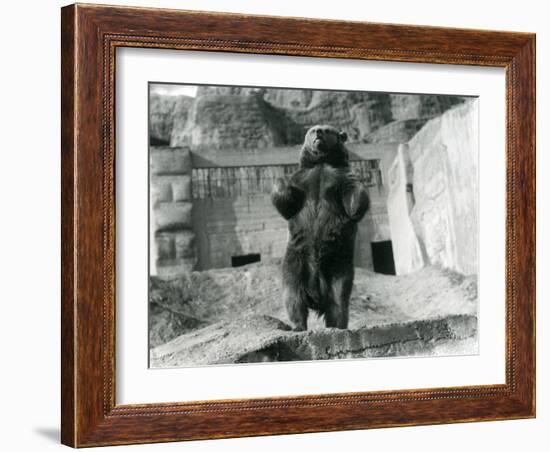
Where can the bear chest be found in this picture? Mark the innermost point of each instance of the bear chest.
(322, 220)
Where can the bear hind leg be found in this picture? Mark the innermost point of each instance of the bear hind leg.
(337, 310)
(296, 308)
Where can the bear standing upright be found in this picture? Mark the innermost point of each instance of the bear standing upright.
(323, 202)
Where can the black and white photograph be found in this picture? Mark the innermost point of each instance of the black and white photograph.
(295, 224)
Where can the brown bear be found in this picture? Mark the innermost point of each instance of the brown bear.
(323, 201)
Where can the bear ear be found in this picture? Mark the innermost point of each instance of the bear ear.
(343, 137)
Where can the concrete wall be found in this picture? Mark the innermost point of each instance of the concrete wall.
(374, 227)
(444, 174)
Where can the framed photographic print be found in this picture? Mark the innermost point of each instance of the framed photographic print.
(281, 225)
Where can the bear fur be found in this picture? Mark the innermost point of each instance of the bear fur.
(323, 201)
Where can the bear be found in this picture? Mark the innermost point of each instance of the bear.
(323, 201)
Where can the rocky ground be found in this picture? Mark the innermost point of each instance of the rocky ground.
(236, 315)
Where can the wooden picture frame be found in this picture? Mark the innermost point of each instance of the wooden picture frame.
(90, 35)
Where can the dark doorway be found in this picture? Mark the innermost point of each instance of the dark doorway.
(382, 257)
(238, 261)
(153, 141)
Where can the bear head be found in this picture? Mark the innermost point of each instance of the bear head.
(324, 144)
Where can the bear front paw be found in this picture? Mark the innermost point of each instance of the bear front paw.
(287, 199)
(356, 202)
(279, 186)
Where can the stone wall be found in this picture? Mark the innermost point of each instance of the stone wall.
(173, 248)
(444, 205)
(233, 214)
(249, 224)
(228, 227)
(202, 217)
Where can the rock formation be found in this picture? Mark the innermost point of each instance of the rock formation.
(255, 118)
(235, 121)
(164, 112)
(407, 106)
(440, 226)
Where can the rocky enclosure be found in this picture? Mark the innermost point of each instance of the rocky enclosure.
(212, 155)
(255, 118)
(236, 315)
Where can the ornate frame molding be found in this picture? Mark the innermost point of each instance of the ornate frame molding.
(90, 37)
